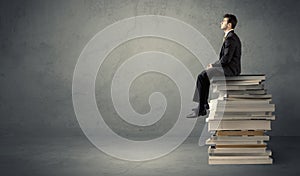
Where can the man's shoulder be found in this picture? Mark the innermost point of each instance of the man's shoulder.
(233, 36)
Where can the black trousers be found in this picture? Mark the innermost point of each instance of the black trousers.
(203, 83)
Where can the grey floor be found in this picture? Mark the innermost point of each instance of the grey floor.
(77, 156)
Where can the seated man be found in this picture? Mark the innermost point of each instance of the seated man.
(229, 64)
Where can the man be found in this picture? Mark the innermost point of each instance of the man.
(229, 64)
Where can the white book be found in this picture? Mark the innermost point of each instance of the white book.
(240, 138)
(243, 114)
(214, 161)
(266, 153)
(209, 142)
(245, 109)
(243, 102)
(237, 83)
(245, 106)
(213, 150)
(239, 77)
(267, 96)
(239, 125)
(250, 105)
(242, 92)
(217, 88)
(242, 117)
(215, 142)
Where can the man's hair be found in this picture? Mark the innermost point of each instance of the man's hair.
(231, 19)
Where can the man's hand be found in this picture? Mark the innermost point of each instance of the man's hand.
(209, 66)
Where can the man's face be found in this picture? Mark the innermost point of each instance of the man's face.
(224, 24)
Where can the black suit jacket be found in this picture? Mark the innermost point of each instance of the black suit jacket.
(230, 55)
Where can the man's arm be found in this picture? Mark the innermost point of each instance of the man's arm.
(229, 48)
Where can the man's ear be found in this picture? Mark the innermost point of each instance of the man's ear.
(229, 25)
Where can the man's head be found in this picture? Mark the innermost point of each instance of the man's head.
(229, 22)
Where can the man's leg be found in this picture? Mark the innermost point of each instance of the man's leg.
(199, 95)
(210, 73)
(203, 84)
(202, 88)
(206, 90)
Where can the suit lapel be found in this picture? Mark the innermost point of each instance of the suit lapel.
(229, 33)
(223, 45)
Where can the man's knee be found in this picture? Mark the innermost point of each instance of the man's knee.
(202, 75)
(214, 71)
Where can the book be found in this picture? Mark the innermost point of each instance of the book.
(217, 88)
(215, 142)
(240, 114)
(214, 150)
(240, 77)
(243, 92)
(241, 160)
(240, 133)
(240, 138)
(239, 125)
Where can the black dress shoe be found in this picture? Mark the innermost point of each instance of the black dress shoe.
(206, 106)
(202, 112)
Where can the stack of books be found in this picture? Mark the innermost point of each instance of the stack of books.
(238, 120)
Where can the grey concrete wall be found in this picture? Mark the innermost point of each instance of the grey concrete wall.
(42, 40)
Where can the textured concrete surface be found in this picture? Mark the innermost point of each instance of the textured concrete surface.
(76, 156)
(42, 40)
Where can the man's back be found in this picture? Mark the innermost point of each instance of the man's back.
(230, 55)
